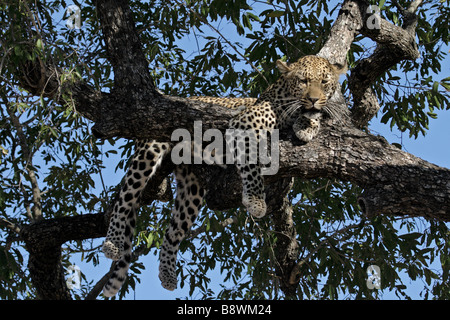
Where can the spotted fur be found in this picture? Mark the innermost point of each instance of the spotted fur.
(298, 100)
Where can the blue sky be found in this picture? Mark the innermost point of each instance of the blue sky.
(434, 147)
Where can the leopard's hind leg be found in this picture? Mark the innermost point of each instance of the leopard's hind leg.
(188, 202)
(147, 159)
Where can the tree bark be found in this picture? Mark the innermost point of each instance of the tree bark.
(43, 241)
(286, 248)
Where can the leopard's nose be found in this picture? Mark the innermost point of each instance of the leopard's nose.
(313, 100)
(314, 105)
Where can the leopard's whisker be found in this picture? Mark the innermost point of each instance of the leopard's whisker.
(290, 110)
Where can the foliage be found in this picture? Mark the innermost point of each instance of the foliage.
(48, 147)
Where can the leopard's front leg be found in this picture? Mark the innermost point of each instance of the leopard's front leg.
(307, 125)
(253, 122)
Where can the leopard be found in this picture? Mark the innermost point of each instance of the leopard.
(297, 100)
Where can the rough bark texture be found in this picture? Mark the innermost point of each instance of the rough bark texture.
(43, 241)
(286, 247)
(394, 182)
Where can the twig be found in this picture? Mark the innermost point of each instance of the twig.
(194, 233)
(10, 225)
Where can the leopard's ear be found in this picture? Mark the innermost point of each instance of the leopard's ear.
(283, 66)
(340, 68)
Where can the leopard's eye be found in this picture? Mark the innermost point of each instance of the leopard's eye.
(324, 81)
(303, 81)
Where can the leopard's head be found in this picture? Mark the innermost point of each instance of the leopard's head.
(311, 80)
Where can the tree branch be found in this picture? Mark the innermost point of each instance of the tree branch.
(35, 213)
(395, 182)
(286, 246)
(43, 240)
(124, 48)
(4, 223)
(346, 27)
(412, 186)
(394, 44)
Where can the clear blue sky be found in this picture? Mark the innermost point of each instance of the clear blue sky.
(434, 147)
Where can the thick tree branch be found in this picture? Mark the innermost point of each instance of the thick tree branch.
(124, 48)
(346, 27)
(394, 44)
(43, 241)
(395, 182)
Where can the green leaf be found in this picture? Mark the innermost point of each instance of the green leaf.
(149, 240)
(18, 51)
(246, 22)
(432, 115)
(39, 45)
(276, 14)
(435, 86)
(53, 132)
(411, 236)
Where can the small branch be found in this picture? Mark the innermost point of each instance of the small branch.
(10, 225)
(97, 289)
(397, 5)
(28, 165)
